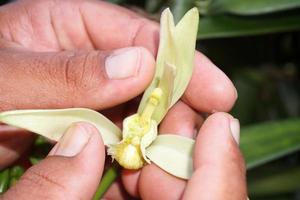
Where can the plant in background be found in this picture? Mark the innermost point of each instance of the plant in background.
(139, 142)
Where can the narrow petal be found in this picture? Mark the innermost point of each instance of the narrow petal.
(176, 49)
(53, 123)
(166, 85)
(148, 138)
(185, 41)
(165, 58)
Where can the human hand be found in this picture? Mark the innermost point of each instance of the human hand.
(219, 169)
(54, 53)
(213, 88)
(48, 61)
(74, 166)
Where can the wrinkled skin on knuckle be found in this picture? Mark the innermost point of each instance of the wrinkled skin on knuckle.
(82, 73)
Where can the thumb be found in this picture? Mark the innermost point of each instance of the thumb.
(72, 169)
(94, 79)
(219, 166)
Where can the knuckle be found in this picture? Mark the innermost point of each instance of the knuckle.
(140, 25)
(81, 72)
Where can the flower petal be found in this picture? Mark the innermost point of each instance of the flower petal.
(165, 59)
(185, 41)
(53, 123)
(173, 154)
(148, 138)
(176, 49)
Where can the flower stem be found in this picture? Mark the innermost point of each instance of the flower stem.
(4, 180)
(108, 178)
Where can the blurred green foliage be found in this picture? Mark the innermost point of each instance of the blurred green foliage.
(257, 44)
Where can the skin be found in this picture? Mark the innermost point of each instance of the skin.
(52, 55)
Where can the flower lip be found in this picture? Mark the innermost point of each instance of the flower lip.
(138, 134)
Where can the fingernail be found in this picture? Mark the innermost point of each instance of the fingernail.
(235, 129)
(73, 141)
(123, 63)
(236, 94)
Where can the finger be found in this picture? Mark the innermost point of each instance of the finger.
(130, 180)
(219, 166)
(180, 120)
(209, 90)
(116, 192)
(99, 25)
(72, 169)
(137, 31)
(13, 143)
(94, 79)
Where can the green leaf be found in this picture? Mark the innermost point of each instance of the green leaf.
(53, 123)
(283, 181)
(15, 174)
(268, 141)
(180, 7)
(116, 1)
(173, 154)
(153, 5)
(35, 160)
(232, 26)
(253, 7)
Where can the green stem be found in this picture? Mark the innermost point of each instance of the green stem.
(4, 180)
(109, 177)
